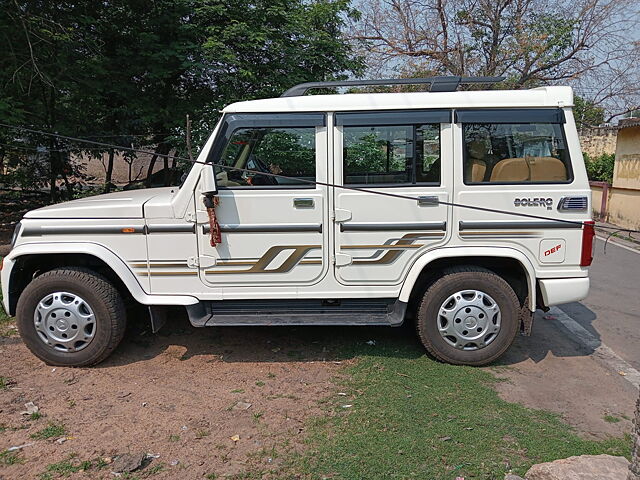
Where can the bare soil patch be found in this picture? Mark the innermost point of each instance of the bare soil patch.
(182, 394)
(551, 372)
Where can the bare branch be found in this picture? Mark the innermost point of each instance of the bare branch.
(533, 42)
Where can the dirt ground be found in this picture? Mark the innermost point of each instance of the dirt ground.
(184, 393)
(549, 371)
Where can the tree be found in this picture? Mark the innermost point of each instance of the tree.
(46, 47)
(128, 72)
(259, 48)
(587, 113)
(531, 42)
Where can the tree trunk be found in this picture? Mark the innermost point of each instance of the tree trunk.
(130, 173)
(53, 170)
(634, 468)
(109, 173)
(65, 170)
(161, 149)
(152, 163)
(167, 172)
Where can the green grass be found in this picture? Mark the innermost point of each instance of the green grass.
(35, 416)
(72, 464)
(5, 382)
(10, 458)
(155, 469)
(412, 417)
(52, 430)
(611, 419)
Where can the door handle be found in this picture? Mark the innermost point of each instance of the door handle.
(430, 200)
(303, 203)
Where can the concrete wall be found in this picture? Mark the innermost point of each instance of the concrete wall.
(95, 168)
(624, 208)
(626, 173)
(596, 200)
(598, 140)
(623, 198)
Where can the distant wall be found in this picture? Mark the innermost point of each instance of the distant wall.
(598, 140)
(596, 199)
(624, 208)
(626, 173)
(95, 168)
(623, 196)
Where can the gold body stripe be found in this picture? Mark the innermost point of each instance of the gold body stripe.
(169, 274)
(159, 265)
(394, 250)
(385, 247)
(260, 266)
(296, 257)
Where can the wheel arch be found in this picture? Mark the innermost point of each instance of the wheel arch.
(509, 263)
(29, 260)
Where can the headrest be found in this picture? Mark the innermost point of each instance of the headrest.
(477, 149)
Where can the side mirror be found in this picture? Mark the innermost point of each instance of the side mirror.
(208, 181)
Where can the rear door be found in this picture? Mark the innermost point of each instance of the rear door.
(519, 160)
(409, 153)
(273, 229)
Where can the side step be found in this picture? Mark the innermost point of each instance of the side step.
(352, 311)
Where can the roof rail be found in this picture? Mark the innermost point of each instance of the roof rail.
(436, 84)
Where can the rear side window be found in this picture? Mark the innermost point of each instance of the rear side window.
(515, 153)
(391, 154)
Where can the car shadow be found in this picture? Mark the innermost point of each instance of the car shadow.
(551, 337)
(179, 339)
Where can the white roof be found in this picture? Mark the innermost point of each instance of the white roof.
(535, 97)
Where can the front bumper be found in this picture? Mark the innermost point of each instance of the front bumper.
(5, 273)
(556, 291)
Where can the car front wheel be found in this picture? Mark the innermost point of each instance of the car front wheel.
(71, 317)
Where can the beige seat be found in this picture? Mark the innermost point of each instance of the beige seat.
(529, 169)
(476, 163)
(547, 169)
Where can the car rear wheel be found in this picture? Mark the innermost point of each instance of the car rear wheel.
(71, 317)
(469, 316)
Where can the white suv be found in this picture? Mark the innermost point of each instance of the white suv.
(345, 209)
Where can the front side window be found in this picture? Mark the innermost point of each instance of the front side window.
(290, 152)
(515, 153)
(391, 155)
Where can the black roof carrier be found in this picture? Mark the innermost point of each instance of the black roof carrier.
(436, 84)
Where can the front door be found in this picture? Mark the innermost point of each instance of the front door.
(399, 153)
(273, 229)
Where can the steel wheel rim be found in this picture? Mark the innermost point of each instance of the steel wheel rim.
(64, 321)
(469, 320)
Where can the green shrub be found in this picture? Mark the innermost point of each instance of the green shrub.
(600, 168)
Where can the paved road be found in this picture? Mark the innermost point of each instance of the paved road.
(611, 312)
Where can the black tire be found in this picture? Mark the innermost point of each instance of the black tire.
(95, 290)
(459, 279)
